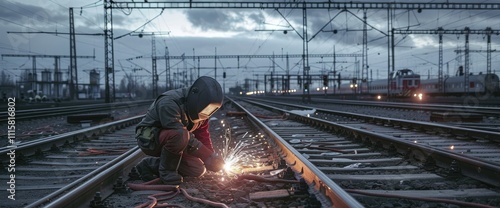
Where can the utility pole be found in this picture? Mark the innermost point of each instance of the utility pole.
(167, 72)
(72, 53)
(390, 51)
(109, 56)
(305, 55)
(215, 64)
(364, 68)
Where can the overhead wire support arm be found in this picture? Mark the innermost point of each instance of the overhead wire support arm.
(320, 30)
(154, 69)
(447, 32)
(362, 20)
(289, 23)
(142, 26)
(257, 56)
(137, 65)
(44, 56)
(294, 5)
(56, 33)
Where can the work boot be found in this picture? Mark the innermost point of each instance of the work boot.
(169, 164)
(213, 162)
(148, 168)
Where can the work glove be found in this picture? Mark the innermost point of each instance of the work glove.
(214, 163)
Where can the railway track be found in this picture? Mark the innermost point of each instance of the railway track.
(36, 113)
(302, 160)
(464, 108)
(44, 168)
(464, 143)
(479, 118)
(376, 167)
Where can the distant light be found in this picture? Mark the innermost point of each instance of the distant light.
(379, 97)
(452, 147)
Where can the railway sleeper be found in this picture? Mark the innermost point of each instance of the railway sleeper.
(455, 117)
(91, 117)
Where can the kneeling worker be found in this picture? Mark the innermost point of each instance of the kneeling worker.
(175, 133)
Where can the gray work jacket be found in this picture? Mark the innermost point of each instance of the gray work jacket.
(167, 111)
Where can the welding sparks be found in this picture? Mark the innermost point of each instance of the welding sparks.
(237, 158)
(241, 154)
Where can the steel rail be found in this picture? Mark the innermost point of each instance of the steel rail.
(474, 133)
(58, 111)
(487, 111)
(43, 144)
(100, 180)
(311, 174)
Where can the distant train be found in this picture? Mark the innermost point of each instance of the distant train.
(406, 83)
(403, 83)
(479, 84)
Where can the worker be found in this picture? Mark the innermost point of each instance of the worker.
(174, 132)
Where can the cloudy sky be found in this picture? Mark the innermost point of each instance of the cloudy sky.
(236, 32)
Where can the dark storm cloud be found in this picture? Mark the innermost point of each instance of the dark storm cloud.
(258, 18)
(29, 15)
(221, 20)
(93, 22)
(16, 11)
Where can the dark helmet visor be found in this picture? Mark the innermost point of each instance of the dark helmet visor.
(204, 99)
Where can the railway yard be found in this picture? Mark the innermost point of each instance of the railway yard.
(250, 104)
(279, 153)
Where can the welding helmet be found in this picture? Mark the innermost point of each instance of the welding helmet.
(204, 99)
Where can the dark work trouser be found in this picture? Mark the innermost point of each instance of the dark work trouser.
(176, 141)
